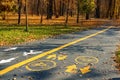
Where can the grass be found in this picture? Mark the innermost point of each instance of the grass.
(117, 59)
(16, 35)
(118, 55)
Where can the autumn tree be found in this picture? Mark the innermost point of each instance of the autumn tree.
(87, 7)
(7, 6)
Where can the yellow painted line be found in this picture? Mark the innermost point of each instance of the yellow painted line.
(17, 65)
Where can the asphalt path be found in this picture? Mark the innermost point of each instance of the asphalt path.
(83, 56)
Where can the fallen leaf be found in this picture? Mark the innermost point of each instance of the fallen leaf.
(62, 57)
(71, 69)
(85, 70)
(53, 56)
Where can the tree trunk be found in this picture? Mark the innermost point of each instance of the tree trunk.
(116, 11)
(109, 8)
(50, 9)
(87, 16)
(19, 11)
(56, 11)
(71, 13)
(41, 10)
(67, 13)
(26, 15)
(78, 10)
(41, 19)
(97, 14)
(4, 16)
(119, 12)
(38, 7)
(62, 8)
(112, 7)
(60, 11)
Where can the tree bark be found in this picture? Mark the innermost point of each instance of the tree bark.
(112, 8)
(50, 9)
(26, 15)
(97, 14)
(67, 13)
(87, 16)
(41, 10)
(62, 8)
(78, 10)
(109, 8)
(38, 7)
(4, 16)
(56, 11)
(19, 11)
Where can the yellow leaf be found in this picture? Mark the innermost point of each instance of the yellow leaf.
(62, 57)
(71, 69)
(85, 70)
(53, 56)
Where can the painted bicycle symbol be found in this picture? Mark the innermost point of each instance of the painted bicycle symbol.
(85, 60)
(41, 65)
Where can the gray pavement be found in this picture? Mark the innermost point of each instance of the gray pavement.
(100, 47)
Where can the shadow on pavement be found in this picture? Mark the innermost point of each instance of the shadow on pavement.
(2, 66)
(39, 75)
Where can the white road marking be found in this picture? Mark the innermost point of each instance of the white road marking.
(31, 52)
(7, 60)
(10, 49)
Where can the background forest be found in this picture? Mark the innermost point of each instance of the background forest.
(57, 11)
